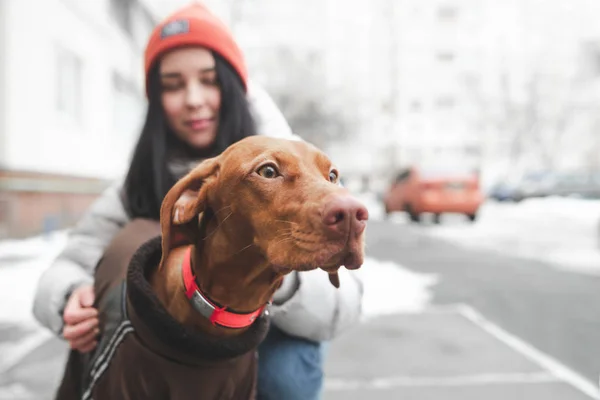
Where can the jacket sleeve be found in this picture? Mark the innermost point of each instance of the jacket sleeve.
(318, 311)
(75, 265)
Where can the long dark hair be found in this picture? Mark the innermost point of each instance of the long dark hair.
(149, 178)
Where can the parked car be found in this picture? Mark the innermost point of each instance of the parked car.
(583, 184)
(535, 185)
(503, 191)
(418, 191)
(530, 185)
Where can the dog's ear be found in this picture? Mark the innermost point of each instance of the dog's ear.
(181, 207)
(334, 278)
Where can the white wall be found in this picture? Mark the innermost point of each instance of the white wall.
(38, 136)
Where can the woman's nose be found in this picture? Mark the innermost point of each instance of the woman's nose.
(195, 96)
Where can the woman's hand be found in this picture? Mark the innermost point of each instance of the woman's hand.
(81, 320)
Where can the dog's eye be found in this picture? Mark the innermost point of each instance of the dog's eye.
(268, 171)
(333, 176)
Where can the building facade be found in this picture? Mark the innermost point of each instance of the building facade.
(71, 105)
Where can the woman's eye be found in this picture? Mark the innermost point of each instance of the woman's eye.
(210, 82)
(268, 171)
(171, 87)
(333, 176)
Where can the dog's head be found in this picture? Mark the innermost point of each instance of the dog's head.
(274, 197)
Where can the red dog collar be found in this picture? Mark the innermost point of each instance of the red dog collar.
(217, 315)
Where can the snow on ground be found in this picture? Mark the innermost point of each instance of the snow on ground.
(21, 264)
(390, 288)
(561, 231)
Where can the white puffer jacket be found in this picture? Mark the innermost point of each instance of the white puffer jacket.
(309, 306)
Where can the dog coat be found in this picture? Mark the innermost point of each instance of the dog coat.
(143, 353)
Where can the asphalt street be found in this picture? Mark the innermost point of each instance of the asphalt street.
(500, 327)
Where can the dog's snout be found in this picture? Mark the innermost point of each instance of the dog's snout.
(342, 213)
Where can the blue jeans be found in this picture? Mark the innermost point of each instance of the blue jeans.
(289, 368)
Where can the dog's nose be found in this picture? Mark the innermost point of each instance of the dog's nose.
(345, 212)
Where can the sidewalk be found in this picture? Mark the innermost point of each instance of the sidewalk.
(444, 353)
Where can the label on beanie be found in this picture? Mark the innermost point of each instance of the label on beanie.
(176, 27)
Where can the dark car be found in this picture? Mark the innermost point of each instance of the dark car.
(503, 191)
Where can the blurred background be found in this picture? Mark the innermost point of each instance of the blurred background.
(471, 128)
(507, 89)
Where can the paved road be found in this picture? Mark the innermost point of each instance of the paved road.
(524, 331)
(535, 311)
(557, 311)
(436, 355)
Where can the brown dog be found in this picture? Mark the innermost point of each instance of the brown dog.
(263, 208)
(231, 229)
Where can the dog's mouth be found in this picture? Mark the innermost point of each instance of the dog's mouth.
(326, 255)
(330, 235)
(351, 258)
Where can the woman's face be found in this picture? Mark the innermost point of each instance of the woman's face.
(191, 96)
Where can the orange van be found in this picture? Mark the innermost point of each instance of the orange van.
(418, 191)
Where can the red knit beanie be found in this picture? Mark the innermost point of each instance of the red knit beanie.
(194, 25)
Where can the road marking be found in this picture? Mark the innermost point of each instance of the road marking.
(556, 368)
(437, 381)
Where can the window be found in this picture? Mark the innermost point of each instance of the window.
(313, 58)
(121, 11)
(445, 102)
(590, 58)
(403, 175)
(445, 57)
(471, 80)
(127, 106)
(596, 63)
(416, 106)
(472, 150)
(447, 13)
(594, 60)
(68, 83)
(4, 217)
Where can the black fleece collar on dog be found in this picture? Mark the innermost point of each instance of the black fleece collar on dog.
(154, 324)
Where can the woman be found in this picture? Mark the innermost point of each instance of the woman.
(199, 103)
